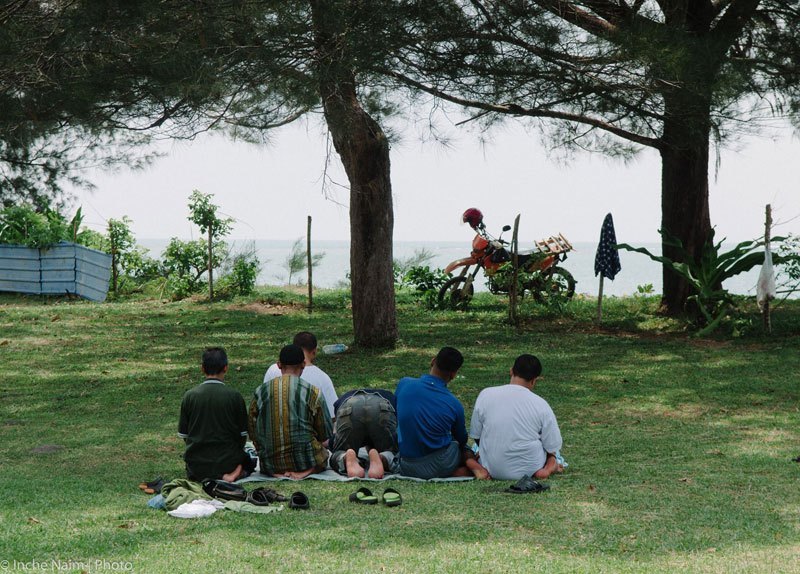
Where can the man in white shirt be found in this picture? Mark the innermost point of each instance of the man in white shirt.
(515, 428)
(311, 373)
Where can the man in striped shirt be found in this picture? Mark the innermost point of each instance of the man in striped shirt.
(290, 420)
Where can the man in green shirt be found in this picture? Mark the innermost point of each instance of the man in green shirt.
(213, 424)
(290, 421)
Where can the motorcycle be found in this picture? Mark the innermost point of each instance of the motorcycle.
(544, 279)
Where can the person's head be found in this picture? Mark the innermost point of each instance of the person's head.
(527, 367)
(447, 363)
(307, 341)
(215, 362)
(291, 360)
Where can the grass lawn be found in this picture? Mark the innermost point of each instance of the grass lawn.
(679, 449)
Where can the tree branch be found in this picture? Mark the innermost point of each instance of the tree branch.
(571, 13)
(730, 25)
(514, 109)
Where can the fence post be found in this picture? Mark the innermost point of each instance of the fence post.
(512, 288)
(310, 267)
(767, 233)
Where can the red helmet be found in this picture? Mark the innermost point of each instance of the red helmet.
(473, 216)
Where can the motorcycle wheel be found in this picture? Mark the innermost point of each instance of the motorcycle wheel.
(558, 283)
(453, 294)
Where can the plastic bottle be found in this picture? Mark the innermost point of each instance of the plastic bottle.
(333, 349)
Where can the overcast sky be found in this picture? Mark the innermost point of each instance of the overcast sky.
(271, 189)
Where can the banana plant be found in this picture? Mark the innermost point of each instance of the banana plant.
(707, 275)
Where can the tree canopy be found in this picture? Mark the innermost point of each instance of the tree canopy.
(613, 76)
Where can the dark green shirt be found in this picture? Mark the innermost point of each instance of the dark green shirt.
(213, 424)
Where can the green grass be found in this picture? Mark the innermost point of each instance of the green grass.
(679, 449)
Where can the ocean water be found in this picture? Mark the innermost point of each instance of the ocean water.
(636, 270)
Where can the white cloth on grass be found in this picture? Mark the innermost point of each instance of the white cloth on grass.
(516, 429)
(314, 375)
(196, 509)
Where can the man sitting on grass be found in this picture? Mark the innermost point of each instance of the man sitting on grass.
(365, 418)
(431, 427)
(213, 424)
(311, 373)
(516, 429)
(289, 421)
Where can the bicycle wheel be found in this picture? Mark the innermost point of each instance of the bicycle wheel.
(556, 283)
(456, 294)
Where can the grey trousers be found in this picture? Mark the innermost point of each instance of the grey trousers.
(364, 420)
(437, 464)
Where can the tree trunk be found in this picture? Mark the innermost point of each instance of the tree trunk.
(364, 151)
(684, 189)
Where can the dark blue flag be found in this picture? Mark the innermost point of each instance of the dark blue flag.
(607, 259)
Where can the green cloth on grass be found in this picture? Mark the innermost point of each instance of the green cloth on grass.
(182, 490)
(240, 506)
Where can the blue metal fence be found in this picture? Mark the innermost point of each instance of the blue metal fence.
(56, 270)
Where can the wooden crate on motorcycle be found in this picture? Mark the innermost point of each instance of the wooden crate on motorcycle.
(554, 244)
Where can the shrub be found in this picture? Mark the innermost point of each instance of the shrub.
(424, 283)
(239, 274)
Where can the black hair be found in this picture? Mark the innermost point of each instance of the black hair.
(449, 360)
(214, 360)
(305, 340)
(527, 367)
(291, 355)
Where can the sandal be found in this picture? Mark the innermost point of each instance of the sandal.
(363, 496)
(153, 487)
(526, 484)
(391, 497)
(299, 501)
(263, 496)
(151, 484)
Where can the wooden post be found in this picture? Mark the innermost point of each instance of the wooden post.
(767, 233)
(210, 265)
(512, 290)
(600, 300)
(310, 273)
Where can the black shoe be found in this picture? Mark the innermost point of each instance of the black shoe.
(263, 496)
(526, 484)
(299, 501)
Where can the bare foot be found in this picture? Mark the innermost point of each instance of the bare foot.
(549, 468)
(477, 470)
(354, 469)
(376, 469)
(234, 474)
(298, 475)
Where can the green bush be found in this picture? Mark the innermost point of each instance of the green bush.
(184, 263)
(240, 278)
(424, 283)
(22, 225)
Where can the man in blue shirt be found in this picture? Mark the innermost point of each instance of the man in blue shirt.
(430, 422)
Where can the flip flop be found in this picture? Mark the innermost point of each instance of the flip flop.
(391, 497)
(363, 496)
(153, 487)
(526, 484)
(151, 484)
(299, 501)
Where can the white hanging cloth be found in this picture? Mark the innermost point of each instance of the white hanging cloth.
(765, 288)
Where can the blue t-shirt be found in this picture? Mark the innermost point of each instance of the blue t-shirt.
(429, 417)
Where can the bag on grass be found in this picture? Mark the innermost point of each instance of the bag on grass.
(224, 490)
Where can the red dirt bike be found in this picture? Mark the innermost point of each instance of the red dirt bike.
(543, 277)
